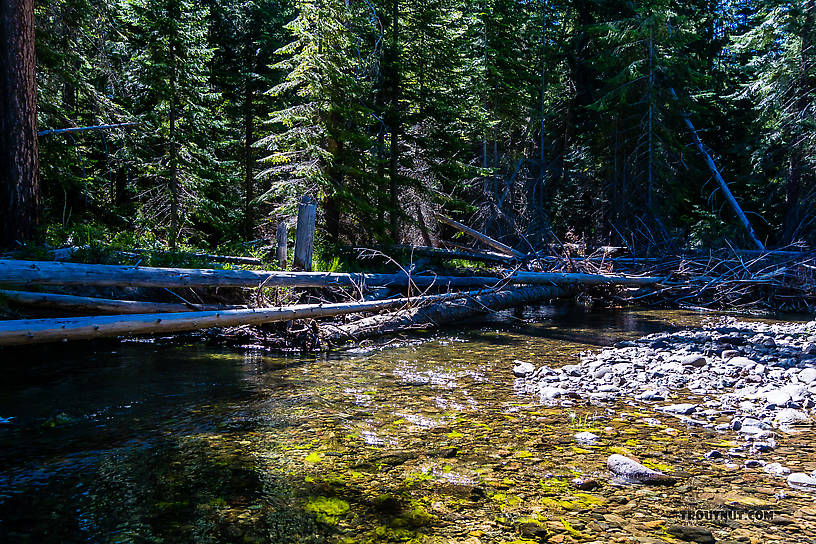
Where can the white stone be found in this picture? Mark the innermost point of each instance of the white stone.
(808, 375)
(522, 369)
(802, 482)
(586, 437)
(776, 469)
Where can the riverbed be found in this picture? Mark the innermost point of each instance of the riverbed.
(425, 438)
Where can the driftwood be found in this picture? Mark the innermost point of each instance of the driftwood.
(435, 314)
(58, 273)
(36, 331)
(100, 305)
(495, 244)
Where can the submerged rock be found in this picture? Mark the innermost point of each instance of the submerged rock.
(586, 437)
(683, 409)
(632, 471)
(585, 484)
(701, 535)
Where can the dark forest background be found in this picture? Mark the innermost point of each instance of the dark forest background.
(534, 120)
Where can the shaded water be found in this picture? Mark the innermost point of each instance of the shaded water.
(424, 441)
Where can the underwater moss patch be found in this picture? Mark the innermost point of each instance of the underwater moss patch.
(657, 466)
(327, 509)
(313, 457)
(504, 499)
(571, 530)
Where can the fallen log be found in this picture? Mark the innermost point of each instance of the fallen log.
(101, 305)
(441, 253)
(66, 253)
(495, 244)
(435, 314)
(59, 273)
(37, 331)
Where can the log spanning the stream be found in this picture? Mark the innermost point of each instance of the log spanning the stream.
(101, 305)
(37, 331)
(437, 313)
(14, 272)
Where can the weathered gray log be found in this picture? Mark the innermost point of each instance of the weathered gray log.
(441, 253)
(100, 305)
(495, 244)
(437, 313)
(58, 273)
(304, 235)
(66, 253)
(281, 248)
(578, 279)
(36, 331)
(716, 173)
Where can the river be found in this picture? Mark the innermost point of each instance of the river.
(421, 439)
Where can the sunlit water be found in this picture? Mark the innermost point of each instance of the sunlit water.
(424, 440)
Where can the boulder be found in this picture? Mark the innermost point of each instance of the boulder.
(682, 409)
(807, 375)
(689, 533)
(632, 471)
(802, 482)
(522, 369)
(696, 361)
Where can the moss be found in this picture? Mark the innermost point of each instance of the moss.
(327, 509)
(571, 530)
(504, 499)
(657, 466)
(589, 499)
(454, 434)
(313, 457)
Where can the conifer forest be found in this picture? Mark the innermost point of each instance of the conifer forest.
(540, 120)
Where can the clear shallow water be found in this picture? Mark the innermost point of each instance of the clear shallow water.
(424, 441)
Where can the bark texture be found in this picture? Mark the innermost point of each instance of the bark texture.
(19, 184)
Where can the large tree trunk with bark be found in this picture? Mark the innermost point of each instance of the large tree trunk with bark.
(19, 176)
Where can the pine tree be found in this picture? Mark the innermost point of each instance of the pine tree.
(171, 95)
(782, 71)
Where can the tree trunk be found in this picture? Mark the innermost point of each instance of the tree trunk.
(394, 123)
(19, 176)
(174, 192)
(249, 159)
